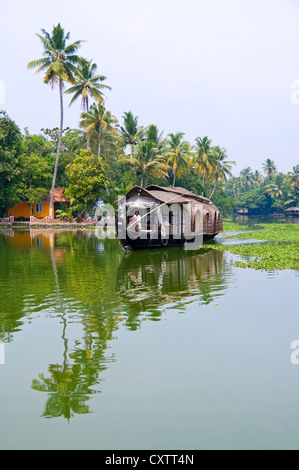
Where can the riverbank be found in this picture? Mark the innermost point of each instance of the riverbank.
(261, 246)
(47, 226)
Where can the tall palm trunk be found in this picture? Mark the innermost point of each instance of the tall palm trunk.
(100, 140)
(88, 135)
(214, 189)
(203, 182)
(174, 177)
(51, 211)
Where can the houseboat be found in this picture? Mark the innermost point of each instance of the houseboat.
(158, 216)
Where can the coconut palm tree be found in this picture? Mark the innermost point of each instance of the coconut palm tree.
(294, 177)
(221, 167)
(204, 158)
(88, 84)
(59, 66)
(146, 161)
(258, 178)
(235, 184)
(153, 135)
(131, 131)
(246, 178)
(177, 154)
(98, 121)
(275, 188)
(270, 168)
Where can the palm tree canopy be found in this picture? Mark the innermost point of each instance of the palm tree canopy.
(222, 167)
(204, 158)
(177, 151)
(59, 61)
(59, 65)
(98, 119)
(131, 131)
(270, 167)
(294, 177)
(246, 176)
(147, 161)
(88, 83)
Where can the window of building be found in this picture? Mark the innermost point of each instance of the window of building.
(38, 208)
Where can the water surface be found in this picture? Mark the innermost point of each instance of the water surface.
(159, 349)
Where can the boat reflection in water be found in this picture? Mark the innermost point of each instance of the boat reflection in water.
(149, 280)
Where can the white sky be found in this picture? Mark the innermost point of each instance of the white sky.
(222, 68)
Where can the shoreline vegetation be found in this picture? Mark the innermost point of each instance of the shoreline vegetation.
(266, 247)
(105, 157)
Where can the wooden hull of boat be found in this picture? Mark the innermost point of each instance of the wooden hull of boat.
(129, 244)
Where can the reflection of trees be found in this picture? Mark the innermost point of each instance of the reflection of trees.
(101, 286)
(147, 280)
(70, 384)
(21, 282)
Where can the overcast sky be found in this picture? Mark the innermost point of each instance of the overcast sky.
(221, 68)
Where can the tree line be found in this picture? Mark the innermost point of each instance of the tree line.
(104, 158)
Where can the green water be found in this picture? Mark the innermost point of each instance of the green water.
(146, 350)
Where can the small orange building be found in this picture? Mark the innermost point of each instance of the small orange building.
(40, 210)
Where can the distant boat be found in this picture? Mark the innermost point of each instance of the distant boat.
(243, 211)
(165, 216)
(292, 212)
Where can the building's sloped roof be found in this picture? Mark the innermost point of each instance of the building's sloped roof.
(59, 196)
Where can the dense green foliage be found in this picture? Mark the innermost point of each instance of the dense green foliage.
(130, 153)
(279, 247)
(86, 180)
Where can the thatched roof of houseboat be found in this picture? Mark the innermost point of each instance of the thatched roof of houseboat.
(157, 194)
(180, 191)
(170, 195)
(212, 223)
(292, 209)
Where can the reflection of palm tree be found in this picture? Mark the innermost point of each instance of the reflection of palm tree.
(61, 386)
(68, 385)
(66, 391)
